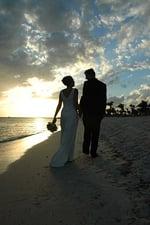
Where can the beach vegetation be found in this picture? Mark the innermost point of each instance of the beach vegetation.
(141, 109)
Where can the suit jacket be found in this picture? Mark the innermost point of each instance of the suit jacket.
(93, 100)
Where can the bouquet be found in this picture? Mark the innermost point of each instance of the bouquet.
(51, 126)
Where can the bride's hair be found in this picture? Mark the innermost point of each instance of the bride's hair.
(67, 80)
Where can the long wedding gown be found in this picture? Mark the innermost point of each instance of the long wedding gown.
(69, 121)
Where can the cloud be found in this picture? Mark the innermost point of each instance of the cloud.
(125, 24)
(51, 36)
(11, 14)
(137, 95)
(148, 77)
(112, 75)
(132, 29)
(116, 100)
(143, 47)
(134, 97)
(51, 39)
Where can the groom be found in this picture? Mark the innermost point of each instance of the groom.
(92, 106)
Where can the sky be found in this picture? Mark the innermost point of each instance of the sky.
(43, 41)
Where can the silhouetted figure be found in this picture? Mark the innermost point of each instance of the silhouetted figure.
(92, 106)
(69, 120)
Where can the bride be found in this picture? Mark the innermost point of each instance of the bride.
(68, 122)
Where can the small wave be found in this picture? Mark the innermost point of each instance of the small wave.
(7, 139)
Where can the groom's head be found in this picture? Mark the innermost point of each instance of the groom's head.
(90, 74)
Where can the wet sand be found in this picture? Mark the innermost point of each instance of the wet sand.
(110, 189)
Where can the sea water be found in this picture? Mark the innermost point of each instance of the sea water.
(13, 128)
(18, 134)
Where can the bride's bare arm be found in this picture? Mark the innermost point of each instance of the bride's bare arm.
(57, 108)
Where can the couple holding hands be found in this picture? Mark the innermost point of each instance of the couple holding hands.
(92, 110)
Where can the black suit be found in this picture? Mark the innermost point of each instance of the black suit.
(92, 105)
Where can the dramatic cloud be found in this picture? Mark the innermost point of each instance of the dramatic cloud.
(46, 40)
(142, 93)
(116, 100)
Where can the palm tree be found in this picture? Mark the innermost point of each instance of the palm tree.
(143, 107)
(121, 106)
(110, 104)
(111, 110)
(134, 112)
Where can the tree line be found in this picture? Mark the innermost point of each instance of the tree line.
(142, 109)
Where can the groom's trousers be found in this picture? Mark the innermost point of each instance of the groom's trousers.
(91, 133)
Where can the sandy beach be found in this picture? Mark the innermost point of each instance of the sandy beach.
(108, 190)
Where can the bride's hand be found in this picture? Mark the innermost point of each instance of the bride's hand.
(54, 120)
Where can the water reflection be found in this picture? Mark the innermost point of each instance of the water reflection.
(13, 150)
(40, 124)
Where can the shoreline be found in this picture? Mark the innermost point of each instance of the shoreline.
(106, 190)
(31, 192)
(13, 150)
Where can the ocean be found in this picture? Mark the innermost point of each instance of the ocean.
(18, 134)
(14, 128)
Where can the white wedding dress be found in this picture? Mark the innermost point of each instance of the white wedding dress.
(69, 122)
